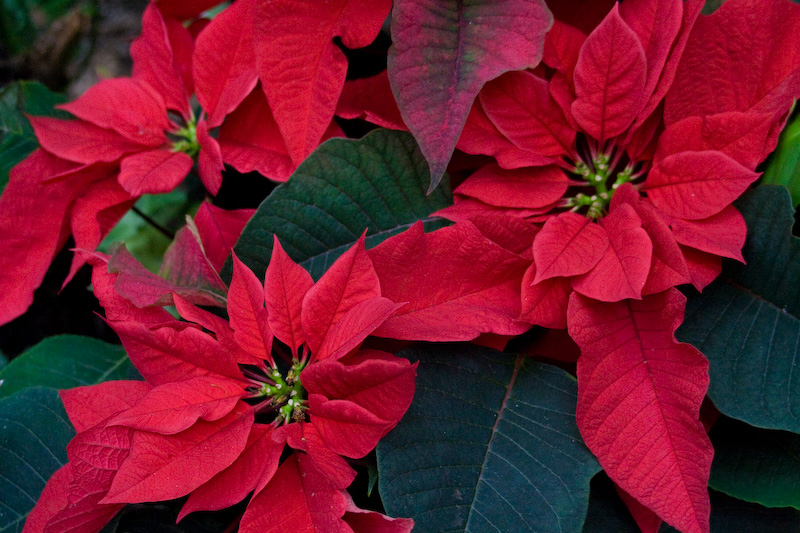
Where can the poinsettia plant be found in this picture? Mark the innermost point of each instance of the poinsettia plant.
(513, 266)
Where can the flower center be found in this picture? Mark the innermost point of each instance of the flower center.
(600, 171)
(185, 139)
(276, 393)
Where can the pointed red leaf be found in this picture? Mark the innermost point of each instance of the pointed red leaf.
(90, 405)
(251, 472)
(544, 303)
(520, 106)
(173, 407)
(219, 229)
(157, 62)
(248, 316)
(703, 267)
(354, 326)
(97, 454)
(153, 171)
(568, 245)
(301, 69)
(349, 281)
(371, 99)
(622, 271)
(610, 79)
(297, 499)
(80, 141)
(443, 53)
(130, 107)
(225, 61)
(526, 188)
(186, 265)
(722, 234)
(251, 141)
(164, 467)
(209, 160)
(639, 396)
(305, 437)
(510, 232)
(52, 500)
(285, 286)
(694, 185)
(647, 520)
(724, 67)
(478, 294)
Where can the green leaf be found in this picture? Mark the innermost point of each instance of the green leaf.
(34, 432)
(376, 183)
(732, 515)
(63, 362)
(17, 139)
(490, 443)
(756, 465)
(746, 323)
(784, 167)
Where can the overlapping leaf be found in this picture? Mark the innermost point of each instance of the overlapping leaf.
(747, 322)
(376, 183)
(784, 167)
(462, 457)
(443, 53)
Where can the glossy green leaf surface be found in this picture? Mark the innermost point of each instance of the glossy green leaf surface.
(784, 167)
(490, 443)
(747, 323)
(376, 183)
(63, 362)
(33, 441)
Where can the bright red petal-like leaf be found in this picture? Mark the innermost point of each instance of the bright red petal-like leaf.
(251, 141)
(510, 232)
(305, 437)
(285, 286)
(703, 267)
(173, 407)
(225, 61)
(722, 234)
(154, 171)
(610, 79)
(248, 316)
(297, 499)
(186, 265)
(347, 428)
(694, 185)
(155, 61)
(349, 281)
(545, 303)
(520, 106)
(568, 245)
(97, 454)
(371, 99)
(219, 229)
(301, 69)
(562, 46)
(737, 39)
(130, 107)
(647, 520)
(52, 500)
(526, 188)
(364, 521)
(209, 160)
(251, 472)
(27, 254)
(639, 396)
(354, 326)
(164, 467)
(476, 290)
(443, 52)
(90, 405)
(622, 271)
(80, 141)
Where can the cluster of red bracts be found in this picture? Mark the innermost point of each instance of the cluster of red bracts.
(605, 179)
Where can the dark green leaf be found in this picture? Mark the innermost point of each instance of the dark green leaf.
(756, 465)
(490, 443)
(17, 140)
(784, 167)
(34, 432)
(607, 512)
(729, 515)
(63, 362)
(747, 322)
(346, 186)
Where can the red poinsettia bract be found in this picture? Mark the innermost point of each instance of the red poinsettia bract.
(222, 398)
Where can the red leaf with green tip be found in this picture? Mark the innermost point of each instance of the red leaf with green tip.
(568, 245)
(479, 293)
(164, 467)
(444, 51)
(695, 185)
(225, 61)
(610, 79)
(622, 271)
(301, 69)
(639, 397)
(298, 498)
